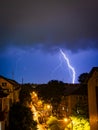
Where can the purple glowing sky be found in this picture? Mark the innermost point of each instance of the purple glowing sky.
(31, 33)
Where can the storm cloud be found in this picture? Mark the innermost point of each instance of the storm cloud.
(49, 24)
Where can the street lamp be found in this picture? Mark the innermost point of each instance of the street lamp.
(69, 123)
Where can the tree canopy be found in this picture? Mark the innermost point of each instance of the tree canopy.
(83, 78)
(53, 89)
(20, 118)
(24, 95)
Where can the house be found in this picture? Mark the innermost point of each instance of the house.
(11, 87)
(4, 108)
(9, 93)
(86, 94)
(74, 94)
(93, 98)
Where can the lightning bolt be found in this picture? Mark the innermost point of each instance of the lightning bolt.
(69, 65)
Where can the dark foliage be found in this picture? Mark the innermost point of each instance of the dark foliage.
(81, 110)
(54, 89)
(55, 82)
(20, 118)
(52, 92)
(24, 95)
(83, 78)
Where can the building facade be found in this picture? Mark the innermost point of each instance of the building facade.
(93, 98)
(9, 94)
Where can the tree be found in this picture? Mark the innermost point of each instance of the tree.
(55, 82)
(80, 117)
(52, 92)
(53, 124)
(83, 78)
(25, 94)
(20, 118)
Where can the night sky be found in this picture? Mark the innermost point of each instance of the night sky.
(33, 31)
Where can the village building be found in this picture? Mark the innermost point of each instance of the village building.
(93, 98)
(85, 94)
(9, 94)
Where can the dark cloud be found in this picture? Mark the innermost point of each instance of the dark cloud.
(49, 24)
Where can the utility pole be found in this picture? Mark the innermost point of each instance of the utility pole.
(22, 80)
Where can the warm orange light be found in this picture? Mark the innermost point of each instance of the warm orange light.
(48, 106)
(34, 94)
(65, 119)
